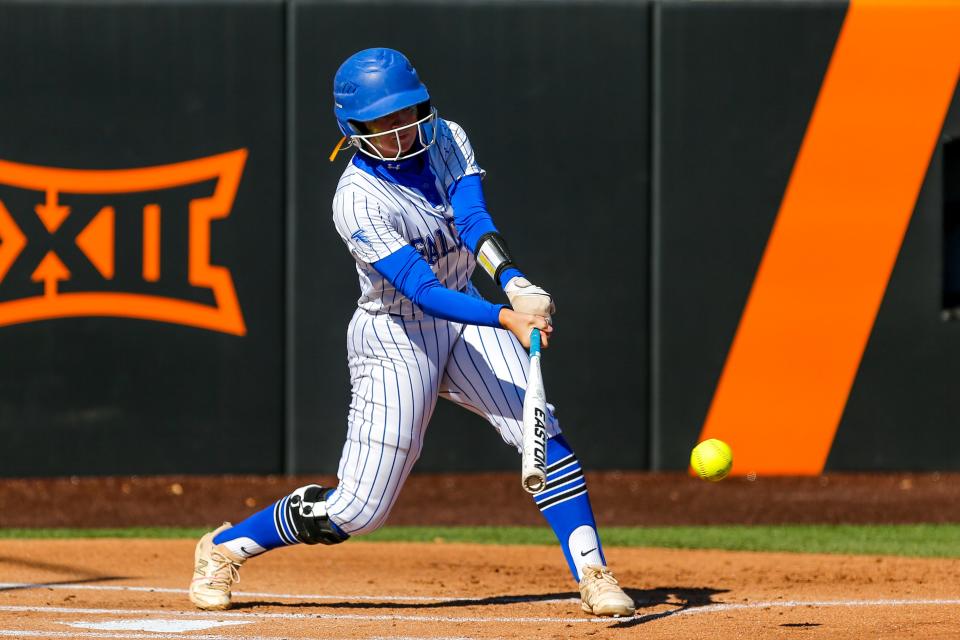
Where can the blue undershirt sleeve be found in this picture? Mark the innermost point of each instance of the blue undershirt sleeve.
(406, 270)
(470, 212)
(472, 219)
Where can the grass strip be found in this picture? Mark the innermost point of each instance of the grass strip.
(918, 540)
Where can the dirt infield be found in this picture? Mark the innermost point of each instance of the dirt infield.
(619, 498)
(136, 589)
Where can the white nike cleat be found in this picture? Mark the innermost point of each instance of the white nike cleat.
(601, 595)
(214, 572)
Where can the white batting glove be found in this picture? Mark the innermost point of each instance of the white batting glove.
(529, 298)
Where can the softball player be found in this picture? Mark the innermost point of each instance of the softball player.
(411, 211)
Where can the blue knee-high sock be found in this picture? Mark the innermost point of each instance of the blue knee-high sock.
(267, 529)
(264, 530)
(566, 506)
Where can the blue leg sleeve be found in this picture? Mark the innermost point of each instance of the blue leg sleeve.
(264, 530)
(566, 506)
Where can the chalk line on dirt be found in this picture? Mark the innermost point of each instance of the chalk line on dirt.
(20, 633)
(298, 616)
(714, 608)
(281, 596)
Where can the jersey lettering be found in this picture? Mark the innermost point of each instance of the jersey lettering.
(432, 256)
(442, 242)
(417, 243)
(437, 246)
(453, 231)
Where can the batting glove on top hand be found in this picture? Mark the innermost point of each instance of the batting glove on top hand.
(528, 298)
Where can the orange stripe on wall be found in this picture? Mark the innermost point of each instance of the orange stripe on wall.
(151, 242)
(836, 238)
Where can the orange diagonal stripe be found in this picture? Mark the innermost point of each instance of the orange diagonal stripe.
(836, 238)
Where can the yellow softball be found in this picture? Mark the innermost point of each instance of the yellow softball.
(712, 459)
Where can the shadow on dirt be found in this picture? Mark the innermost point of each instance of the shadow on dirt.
(679, 597)
(52, 567)
(439, 604)
(682, 598)
(53, 583)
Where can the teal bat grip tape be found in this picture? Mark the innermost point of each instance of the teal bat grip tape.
(535, 343)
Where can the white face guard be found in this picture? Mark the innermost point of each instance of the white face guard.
(426, 132)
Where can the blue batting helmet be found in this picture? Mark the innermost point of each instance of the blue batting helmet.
(373, 83)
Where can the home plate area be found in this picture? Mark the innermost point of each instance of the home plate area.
(160, 625)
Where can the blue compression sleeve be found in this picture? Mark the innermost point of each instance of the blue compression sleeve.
(472, 218)
(470, 210)
(408, 272)
(508, 274)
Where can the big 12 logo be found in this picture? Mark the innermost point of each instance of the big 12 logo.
(129, 243)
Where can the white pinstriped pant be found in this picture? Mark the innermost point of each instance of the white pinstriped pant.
(398, 368)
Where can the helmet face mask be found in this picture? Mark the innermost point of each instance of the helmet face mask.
(375, 83)
(426, 135)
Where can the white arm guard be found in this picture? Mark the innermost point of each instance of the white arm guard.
(528, 298)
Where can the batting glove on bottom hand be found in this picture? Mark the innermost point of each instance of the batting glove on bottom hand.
(528, 298)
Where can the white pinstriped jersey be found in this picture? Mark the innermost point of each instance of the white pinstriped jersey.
(375, 218)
